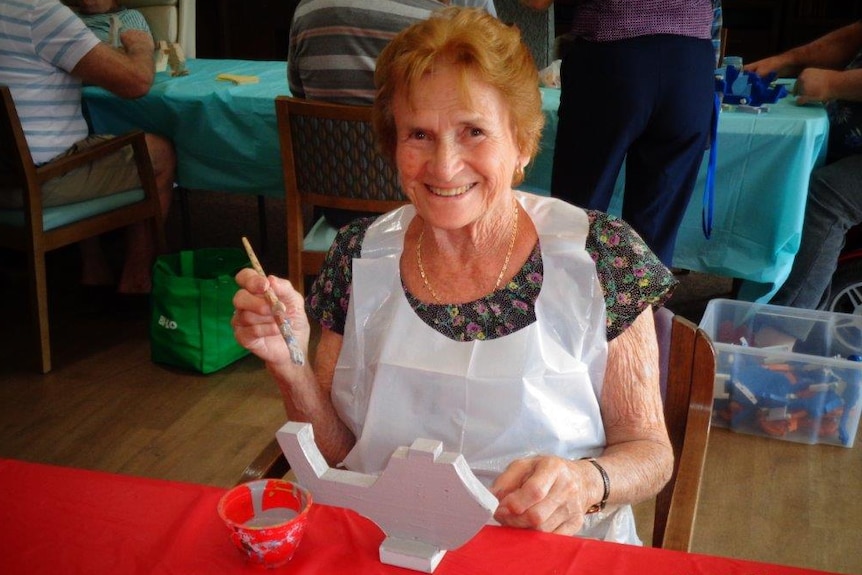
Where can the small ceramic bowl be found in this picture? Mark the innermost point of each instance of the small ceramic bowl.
(267, 519)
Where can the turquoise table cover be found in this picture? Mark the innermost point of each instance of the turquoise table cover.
(225, 134)
(226, 139)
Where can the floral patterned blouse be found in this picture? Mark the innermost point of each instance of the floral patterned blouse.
(631, 275)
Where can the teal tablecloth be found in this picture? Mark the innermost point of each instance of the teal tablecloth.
(225, 135)
(764, 162)
(227, 140)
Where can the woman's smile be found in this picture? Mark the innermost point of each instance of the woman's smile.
(450, 192)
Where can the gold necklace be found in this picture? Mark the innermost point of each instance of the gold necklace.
(502, 271)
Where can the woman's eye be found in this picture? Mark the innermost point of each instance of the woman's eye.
(418, 135)
(476, 132)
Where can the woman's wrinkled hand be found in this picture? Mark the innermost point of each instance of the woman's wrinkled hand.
(543, 493)
(255, 326)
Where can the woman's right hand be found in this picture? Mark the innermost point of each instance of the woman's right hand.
(255, 326)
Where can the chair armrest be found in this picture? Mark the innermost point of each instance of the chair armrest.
(692, 458)
(269, 463)
(68, 163)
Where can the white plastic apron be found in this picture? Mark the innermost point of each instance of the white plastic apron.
(534, 391)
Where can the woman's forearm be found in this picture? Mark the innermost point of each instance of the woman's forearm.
(638, 457)
(308, 401)
(638, 470)
(307, 396)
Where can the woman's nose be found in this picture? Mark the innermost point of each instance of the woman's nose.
(447, 160)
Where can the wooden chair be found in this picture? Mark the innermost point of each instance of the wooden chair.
(536, 26)
(330, 161)
(36, 230)
(687, 361)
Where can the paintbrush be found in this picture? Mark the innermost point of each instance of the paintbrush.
(278, 309)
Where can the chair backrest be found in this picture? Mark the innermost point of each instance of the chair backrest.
(36, 230)
(687, 360)
(537, 28)
(169, 20)
(329, 160)
(16, 163)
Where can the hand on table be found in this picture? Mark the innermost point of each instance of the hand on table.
(766, 66)
(546, 493)
(813, 85)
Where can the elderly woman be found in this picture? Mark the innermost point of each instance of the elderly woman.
(515, 329)
(98, 14)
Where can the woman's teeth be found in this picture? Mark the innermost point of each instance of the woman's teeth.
(450, 192)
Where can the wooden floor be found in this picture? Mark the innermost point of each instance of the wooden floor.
(106, 406)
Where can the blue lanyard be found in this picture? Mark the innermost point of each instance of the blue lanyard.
(709, 189)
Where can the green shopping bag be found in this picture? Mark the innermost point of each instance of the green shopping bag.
(192, 304)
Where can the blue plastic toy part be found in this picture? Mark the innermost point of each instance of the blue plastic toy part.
(747, 88)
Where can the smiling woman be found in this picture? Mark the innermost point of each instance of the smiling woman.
(476, 290)
(457, 158)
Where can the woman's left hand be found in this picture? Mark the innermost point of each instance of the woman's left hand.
(546, 493)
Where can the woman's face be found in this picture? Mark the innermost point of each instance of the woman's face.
(455, 155)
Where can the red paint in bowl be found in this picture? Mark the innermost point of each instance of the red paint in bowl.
(267, 519)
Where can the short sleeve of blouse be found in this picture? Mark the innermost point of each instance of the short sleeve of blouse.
(330, 292)
(631, 275)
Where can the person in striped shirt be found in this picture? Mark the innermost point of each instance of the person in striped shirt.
(334, 43)
(46, 52)
(334, 46)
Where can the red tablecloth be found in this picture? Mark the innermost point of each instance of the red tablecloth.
(65, 521)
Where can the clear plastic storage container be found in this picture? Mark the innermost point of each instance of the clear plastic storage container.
(789, 373)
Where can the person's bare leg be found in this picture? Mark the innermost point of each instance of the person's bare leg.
(136, 277)
(95, 270)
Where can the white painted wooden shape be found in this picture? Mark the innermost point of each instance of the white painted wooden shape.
(425, 501)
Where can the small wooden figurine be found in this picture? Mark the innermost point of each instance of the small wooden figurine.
(425, 501)
(161, 56)
(177, 60)
(114, 32)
